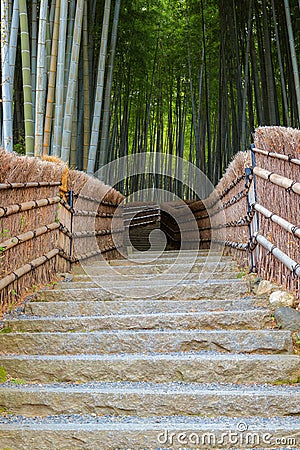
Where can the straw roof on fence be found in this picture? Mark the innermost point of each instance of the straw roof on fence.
(278, 139)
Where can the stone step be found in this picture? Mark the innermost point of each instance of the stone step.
(130, 276)
(140, 281)
(146, 342)
(227, 289)
(231, 320)
(202, 367)
(148, 399)
(92, 308)
(154, 268)
(168, 260)
(87, 432)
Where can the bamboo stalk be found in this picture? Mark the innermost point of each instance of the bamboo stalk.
(86, 88)
(27, 80)
(293, 229)
(18, 273)
(33, 184)
(41, 80)
(14, 29)
(24, 237)
(14, 209)
(51, 82)
(278, 156)
(279, 180)
(6, 83)
(99, 91)
(72, 83)
(59, 87)
(288, 262)
(92, 214)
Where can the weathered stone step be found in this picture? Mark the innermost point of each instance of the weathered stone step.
(146, 342)
(148, 399)
(87, 432)
(168, 261)
(140, 282)
(232, 320)
(153, 268)
(203, 367)
(130, 276)
(212, 290)
(92, 308)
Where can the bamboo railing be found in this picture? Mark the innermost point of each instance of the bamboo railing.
(262, 207)
(47, 225)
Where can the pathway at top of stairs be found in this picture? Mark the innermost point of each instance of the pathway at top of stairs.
(150, 354)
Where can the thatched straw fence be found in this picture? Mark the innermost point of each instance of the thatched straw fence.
(260, 198)
(40, 233)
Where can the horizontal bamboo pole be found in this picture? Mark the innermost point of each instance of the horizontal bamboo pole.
(288, 262)
(96, 200)
(278, 220)
(83, 234)
(16, 240)
(14, 209)
(279, 180)
(277, 156)
(33, 184)
(76, 259)
(18, 273)
(79, 213)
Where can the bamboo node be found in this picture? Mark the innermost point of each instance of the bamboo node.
(295, 269)
(290, 188)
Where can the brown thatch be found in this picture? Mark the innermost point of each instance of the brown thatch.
(32, 212)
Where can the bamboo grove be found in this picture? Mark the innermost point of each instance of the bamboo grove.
(90, 81)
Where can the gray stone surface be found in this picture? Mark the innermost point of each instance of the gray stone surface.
(288, 319)
(198, 367)
(115, 370)
(87, 433)
(146, 399)
(251, 319)
(211, 290)
(92, 308)
(150, 341)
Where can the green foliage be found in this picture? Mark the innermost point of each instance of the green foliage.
(3, 375)
(5, 330)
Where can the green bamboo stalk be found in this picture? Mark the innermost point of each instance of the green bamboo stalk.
(41, 80)
(26, 73)
(99, 91)
(293, 54)
(72, 83)
(34, 33)
(86, 89)
(51, 82)
(6, 80)
(59, 91)
(107, 98)
(13, 40)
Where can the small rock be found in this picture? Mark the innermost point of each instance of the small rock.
(266, 287)
(288, 318)
(282, 298)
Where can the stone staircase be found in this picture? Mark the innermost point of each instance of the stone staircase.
(151, 354)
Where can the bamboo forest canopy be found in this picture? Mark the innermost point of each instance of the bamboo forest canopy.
(93, 80)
